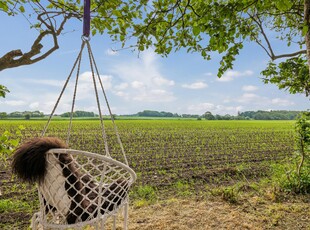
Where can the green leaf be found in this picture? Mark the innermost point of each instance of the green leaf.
(3, 90)
(196, 30)
(4, 6)
(14, 143)
(117, 13)
(22, 9)
(284, 5)
(304, 30)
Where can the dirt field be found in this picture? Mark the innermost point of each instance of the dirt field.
(202, 179)
(188, 214)
(251, 210)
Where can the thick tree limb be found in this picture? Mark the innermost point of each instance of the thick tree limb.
(307, 23)
(17, 58)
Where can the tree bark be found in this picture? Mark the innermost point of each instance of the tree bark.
(17, 58)
(307, 24)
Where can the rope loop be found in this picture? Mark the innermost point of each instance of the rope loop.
(85, 39)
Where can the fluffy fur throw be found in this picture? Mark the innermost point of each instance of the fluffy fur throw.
(75, 195)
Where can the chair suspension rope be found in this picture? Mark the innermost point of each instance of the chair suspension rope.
(104, 135)
(74, 97)
(109, 108)
(63, 89)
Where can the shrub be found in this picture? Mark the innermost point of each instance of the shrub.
(294, 175)
(8, 142)
(145, 192)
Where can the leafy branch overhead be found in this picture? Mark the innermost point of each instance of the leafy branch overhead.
(199, 26)
(3, 91)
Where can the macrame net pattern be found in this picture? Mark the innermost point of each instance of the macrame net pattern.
(83, 189)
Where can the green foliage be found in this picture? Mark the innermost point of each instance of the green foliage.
(8, 142)
(208, 116)
(303, 130)
(284, 5)
(270, 115)
(230, 195)
(183, 188)
(143, 195)
(198, 26)
(3, 89)
(151, 113)
(25, 114)
(294, 175)
(285, 176)
(79, 113)
(3, 115)
(292, 75)
(9, 205)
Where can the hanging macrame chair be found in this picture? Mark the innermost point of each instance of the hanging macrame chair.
(92, 187)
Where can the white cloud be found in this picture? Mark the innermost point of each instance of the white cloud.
(137, 84)
(122, 94)
(201, 108)
(195, 85)
(34, 105)
(248, 88)
(86, 78)
(143, 75)
(86, 87)
(208, 74)
(121, 86)
(230, 75)
(249, 98)
(262, 102)
(56, 83)
(14, 102)
(85, 97)
(160, 81)
(156, 95)
(111, 52)
(281, 102)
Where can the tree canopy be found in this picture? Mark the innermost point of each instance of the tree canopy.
(201, 26)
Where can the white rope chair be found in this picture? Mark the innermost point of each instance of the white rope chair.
(96, 189)
(82, 188)
(76, 188)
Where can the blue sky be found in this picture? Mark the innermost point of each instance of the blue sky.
(181, 83)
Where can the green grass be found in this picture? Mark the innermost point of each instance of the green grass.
(143, 195)
(13, 205)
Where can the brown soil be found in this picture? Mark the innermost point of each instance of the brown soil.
(252, 211)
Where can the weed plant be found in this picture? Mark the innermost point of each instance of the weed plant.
(293, 175)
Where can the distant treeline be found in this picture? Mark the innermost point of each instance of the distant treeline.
(270, 115)
(37, 114)
(255, 115)
(248, 115)
(152, 113)
(79, 114)
(25, 114)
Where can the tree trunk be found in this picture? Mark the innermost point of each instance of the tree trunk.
(307, 23)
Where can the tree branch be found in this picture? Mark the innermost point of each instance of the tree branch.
(17, 58)
(269, 49)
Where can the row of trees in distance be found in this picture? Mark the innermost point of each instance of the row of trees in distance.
(247, 115)
(38, 114)
(25, 114)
